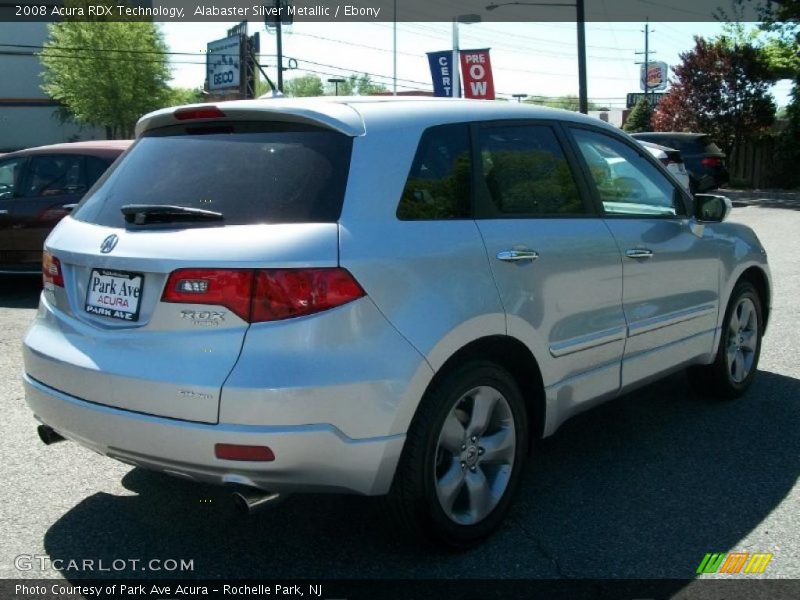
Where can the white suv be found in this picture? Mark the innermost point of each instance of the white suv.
(379, 296)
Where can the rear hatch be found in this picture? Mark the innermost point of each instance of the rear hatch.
(150, 284)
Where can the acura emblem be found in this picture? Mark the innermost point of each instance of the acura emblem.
(109, 243)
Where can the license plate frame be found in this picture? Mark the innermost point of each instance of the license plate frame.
(117, 289)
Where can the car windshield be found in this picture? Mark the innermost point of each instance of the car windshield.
(248, 172)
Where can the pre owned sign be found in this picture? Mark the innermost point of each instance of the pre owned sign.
(476, 70)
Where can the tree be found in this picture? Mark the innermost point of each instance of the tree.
(106, 73)
(720, 89)
(783, 54)
(568, 102)
(177, 96)
(356, 85)
(306, 85)
(640, 117)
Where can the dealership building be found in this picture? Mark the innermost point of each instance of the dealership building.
(27, 116)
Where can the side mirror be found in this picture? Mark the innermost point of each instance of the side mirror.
(710, 208)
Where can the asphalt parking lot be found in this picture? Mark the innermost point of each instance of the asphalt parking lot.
(641, 487)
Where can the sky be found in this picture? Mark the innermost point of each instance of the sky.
(528, 58)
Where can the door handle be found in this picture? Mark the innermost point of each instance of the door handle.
(639, 253)
(517, 255)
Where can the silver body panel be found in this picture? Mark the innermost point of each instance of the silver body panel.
(333, 394)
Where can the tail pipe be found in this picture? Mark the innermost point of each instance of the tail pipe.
(48, 435)
(249, 501)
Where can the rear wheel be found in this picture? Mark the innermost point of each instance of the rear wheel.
(736, 362)
(463, 457)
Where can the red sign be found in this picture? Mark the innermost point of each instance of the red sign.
(476, 71)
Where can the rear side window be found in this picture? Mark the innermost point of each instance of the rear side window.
(526, 172)
(438, 185)
(249, 172)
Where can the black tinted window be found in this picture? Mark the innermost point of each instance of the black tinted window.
(249, 172)
(438, 185)
(526, 171)
(55, 175)
(95, 167)
(10, 177)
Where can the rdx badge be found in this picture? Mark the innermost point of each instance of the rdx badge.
(204, 316)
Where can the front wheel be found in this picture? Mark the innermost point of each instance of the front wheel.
(736, 362)
(463, 457)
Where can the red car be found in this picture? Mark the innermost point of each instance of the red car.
(38, 187)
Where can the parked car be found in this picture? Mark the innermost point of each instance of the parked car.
(40, 186)
(672, 160)
(703, 158)
(294, 295)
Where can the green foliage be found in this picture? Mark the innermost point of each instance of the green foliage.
(356, 85)
(304, 86)
(178, 96)
(568, 102)
(782, 22)
(721, 90)
(640, 117)
(85, 69)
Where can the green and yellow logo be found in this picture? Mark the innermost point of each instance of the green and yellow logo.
(734, 562)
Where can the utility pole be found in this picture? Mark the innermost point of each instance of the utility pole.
(279, 41)
(583, 93)
(646, 63)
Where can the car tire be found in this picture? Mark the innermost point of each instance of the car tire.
(463, 457)
(736, 362)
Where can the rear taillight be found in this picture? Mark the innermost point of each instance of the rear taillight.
(223, 287)
(51, 270)
(266, 294)
(284, 293)
(711, 161)
(53, 214)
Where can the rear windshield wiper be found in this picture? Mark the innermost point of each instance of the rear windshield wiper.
(141, 214)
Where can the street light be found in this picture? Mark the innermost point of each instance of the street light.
(580, 17)
(519, 97)
(336, 81)
(466, 20)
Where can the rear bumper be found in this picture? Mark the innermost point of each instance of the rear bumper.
(308, 458)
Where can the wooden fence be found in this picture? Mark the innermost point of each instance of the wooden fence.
(751, 163)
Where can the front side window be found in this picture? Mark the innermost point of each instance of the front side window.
(55, 175)
(438, 185)
(627, 183)
(526, 172)
(10, 177)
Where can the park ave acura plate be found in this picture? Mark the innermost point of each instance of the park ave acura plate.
(114, 294)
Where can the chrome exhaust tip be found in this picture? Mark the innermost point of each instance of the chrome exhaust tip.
(249, 501)
(48, 435)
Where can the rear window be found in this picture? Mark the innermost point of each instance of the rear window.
(249, 172)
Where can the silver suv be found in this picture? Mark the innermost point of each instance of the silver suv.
(380, 296)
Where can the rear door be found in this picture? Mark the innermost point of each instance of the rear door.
(555, 262)
(671, 271)
(153, 311)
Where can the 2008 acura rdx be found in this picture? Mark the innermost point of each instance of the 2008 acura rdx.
(380, 296)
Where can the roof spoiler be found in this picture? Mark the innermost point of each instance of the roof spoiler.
(336, 116)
